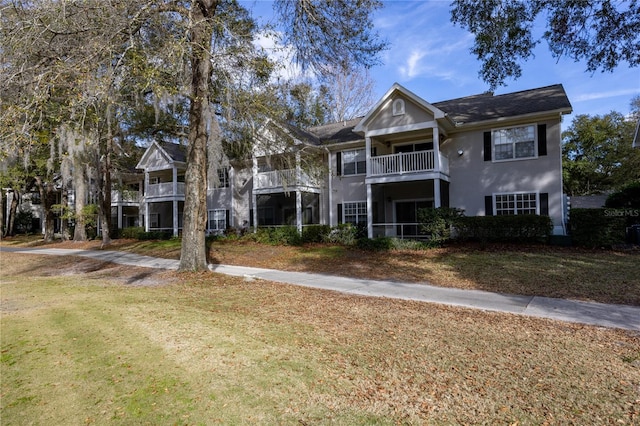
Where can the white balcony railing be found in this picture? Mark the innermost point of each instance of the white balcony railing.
(125, 196)
(407, 162)
(283, 179)
(164, 189)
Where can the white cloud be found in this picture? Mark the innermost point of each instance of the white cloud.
(604, 95)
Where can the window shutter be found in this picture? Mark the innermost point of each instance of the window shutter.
(487, 146)
(226, 219)
(339, 214)
(544, 204)
(338, 163)
(542, 139)
(488, 205)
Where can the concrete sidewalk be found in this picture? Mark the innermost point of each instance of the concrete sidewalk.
(599, 314)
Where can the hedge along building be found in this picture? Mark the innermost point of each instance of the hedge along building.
(484, 154)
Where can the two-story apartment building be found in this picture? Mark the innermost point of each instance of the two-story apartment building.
(485, 154)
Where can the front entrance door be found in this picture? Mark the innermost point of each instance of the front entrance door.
(407, 217)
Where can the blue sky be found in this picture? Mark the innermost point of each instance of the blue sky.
(431, 57)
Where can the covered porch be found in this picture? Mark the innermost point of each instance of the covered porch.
(393, 207)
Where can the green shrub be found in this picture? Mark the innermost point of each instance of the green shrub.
(375, 244)
(132, 232)
(438, 223)
(277, 235)
(315, 233)
(597, 227)
(155, 235)
(518, 228)
(627, 197)
(345, 234)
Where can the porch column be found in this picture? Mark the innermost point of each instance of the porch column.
(298, 195)
(140, 199)
(146, 217)
(330, 161)
(299, 211)
(232, 180)
(145, 202)
(175, 201)
(436, 149)
(119, 215)
(367, 150)
(437, 197)
(369, 211)
(254, 197)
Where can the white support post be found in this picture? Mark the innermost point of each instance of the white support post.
(120, 214)
(369, 212)
(254, 197)
(332, 222)
(437, 197)
(175, 201)
(436, 149)
(145, 202)
(299, 211)
(368, 155)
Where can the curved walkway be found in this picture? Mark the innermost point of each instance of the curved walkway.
(599, 314)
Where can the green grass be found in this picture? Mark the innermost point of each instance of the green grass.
(96, 348)
(592, 275)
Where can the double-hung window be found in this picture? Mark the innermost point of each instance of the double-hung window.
(223, 178)
(514, 204)
(355, 212)
(514, 143)
(217, 220)
(354, 162)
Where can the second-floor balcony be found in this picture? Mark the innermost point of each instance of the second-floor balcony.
(284, 179)
(408, 162)
(165, 189)
(125, 196)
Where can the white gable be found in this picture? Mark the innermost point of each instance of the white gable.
(155, 158)
(399, 108)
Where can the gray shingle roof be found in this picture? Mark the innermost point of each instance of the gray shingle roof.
(469, 109)
(176, 151)
(337, 132)
(487, 107)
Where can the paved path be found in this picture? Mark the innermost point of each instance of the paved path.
(599, 314)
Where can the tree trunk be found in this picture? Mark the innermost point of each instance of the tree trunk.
(64, 220)
(80, 187)
(48, 199)
(193, 255)
(13, 210)
(3, 200)
(105, 190)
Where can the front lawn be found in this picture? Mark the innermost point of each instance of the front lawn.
(86, 342)
(592, 275)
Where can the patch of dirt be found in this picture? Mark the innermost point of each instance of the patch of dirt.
(50, 266)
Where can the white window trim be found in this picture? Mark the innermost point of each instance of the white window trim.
(397, 107)
(344, 209)
(364, 150)
(209, 218)
(495, 209)
(535, 144)
(225, 182)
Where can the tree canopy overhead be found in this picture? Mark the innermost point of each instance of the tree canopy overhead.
(180, 70)
(603, 33)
